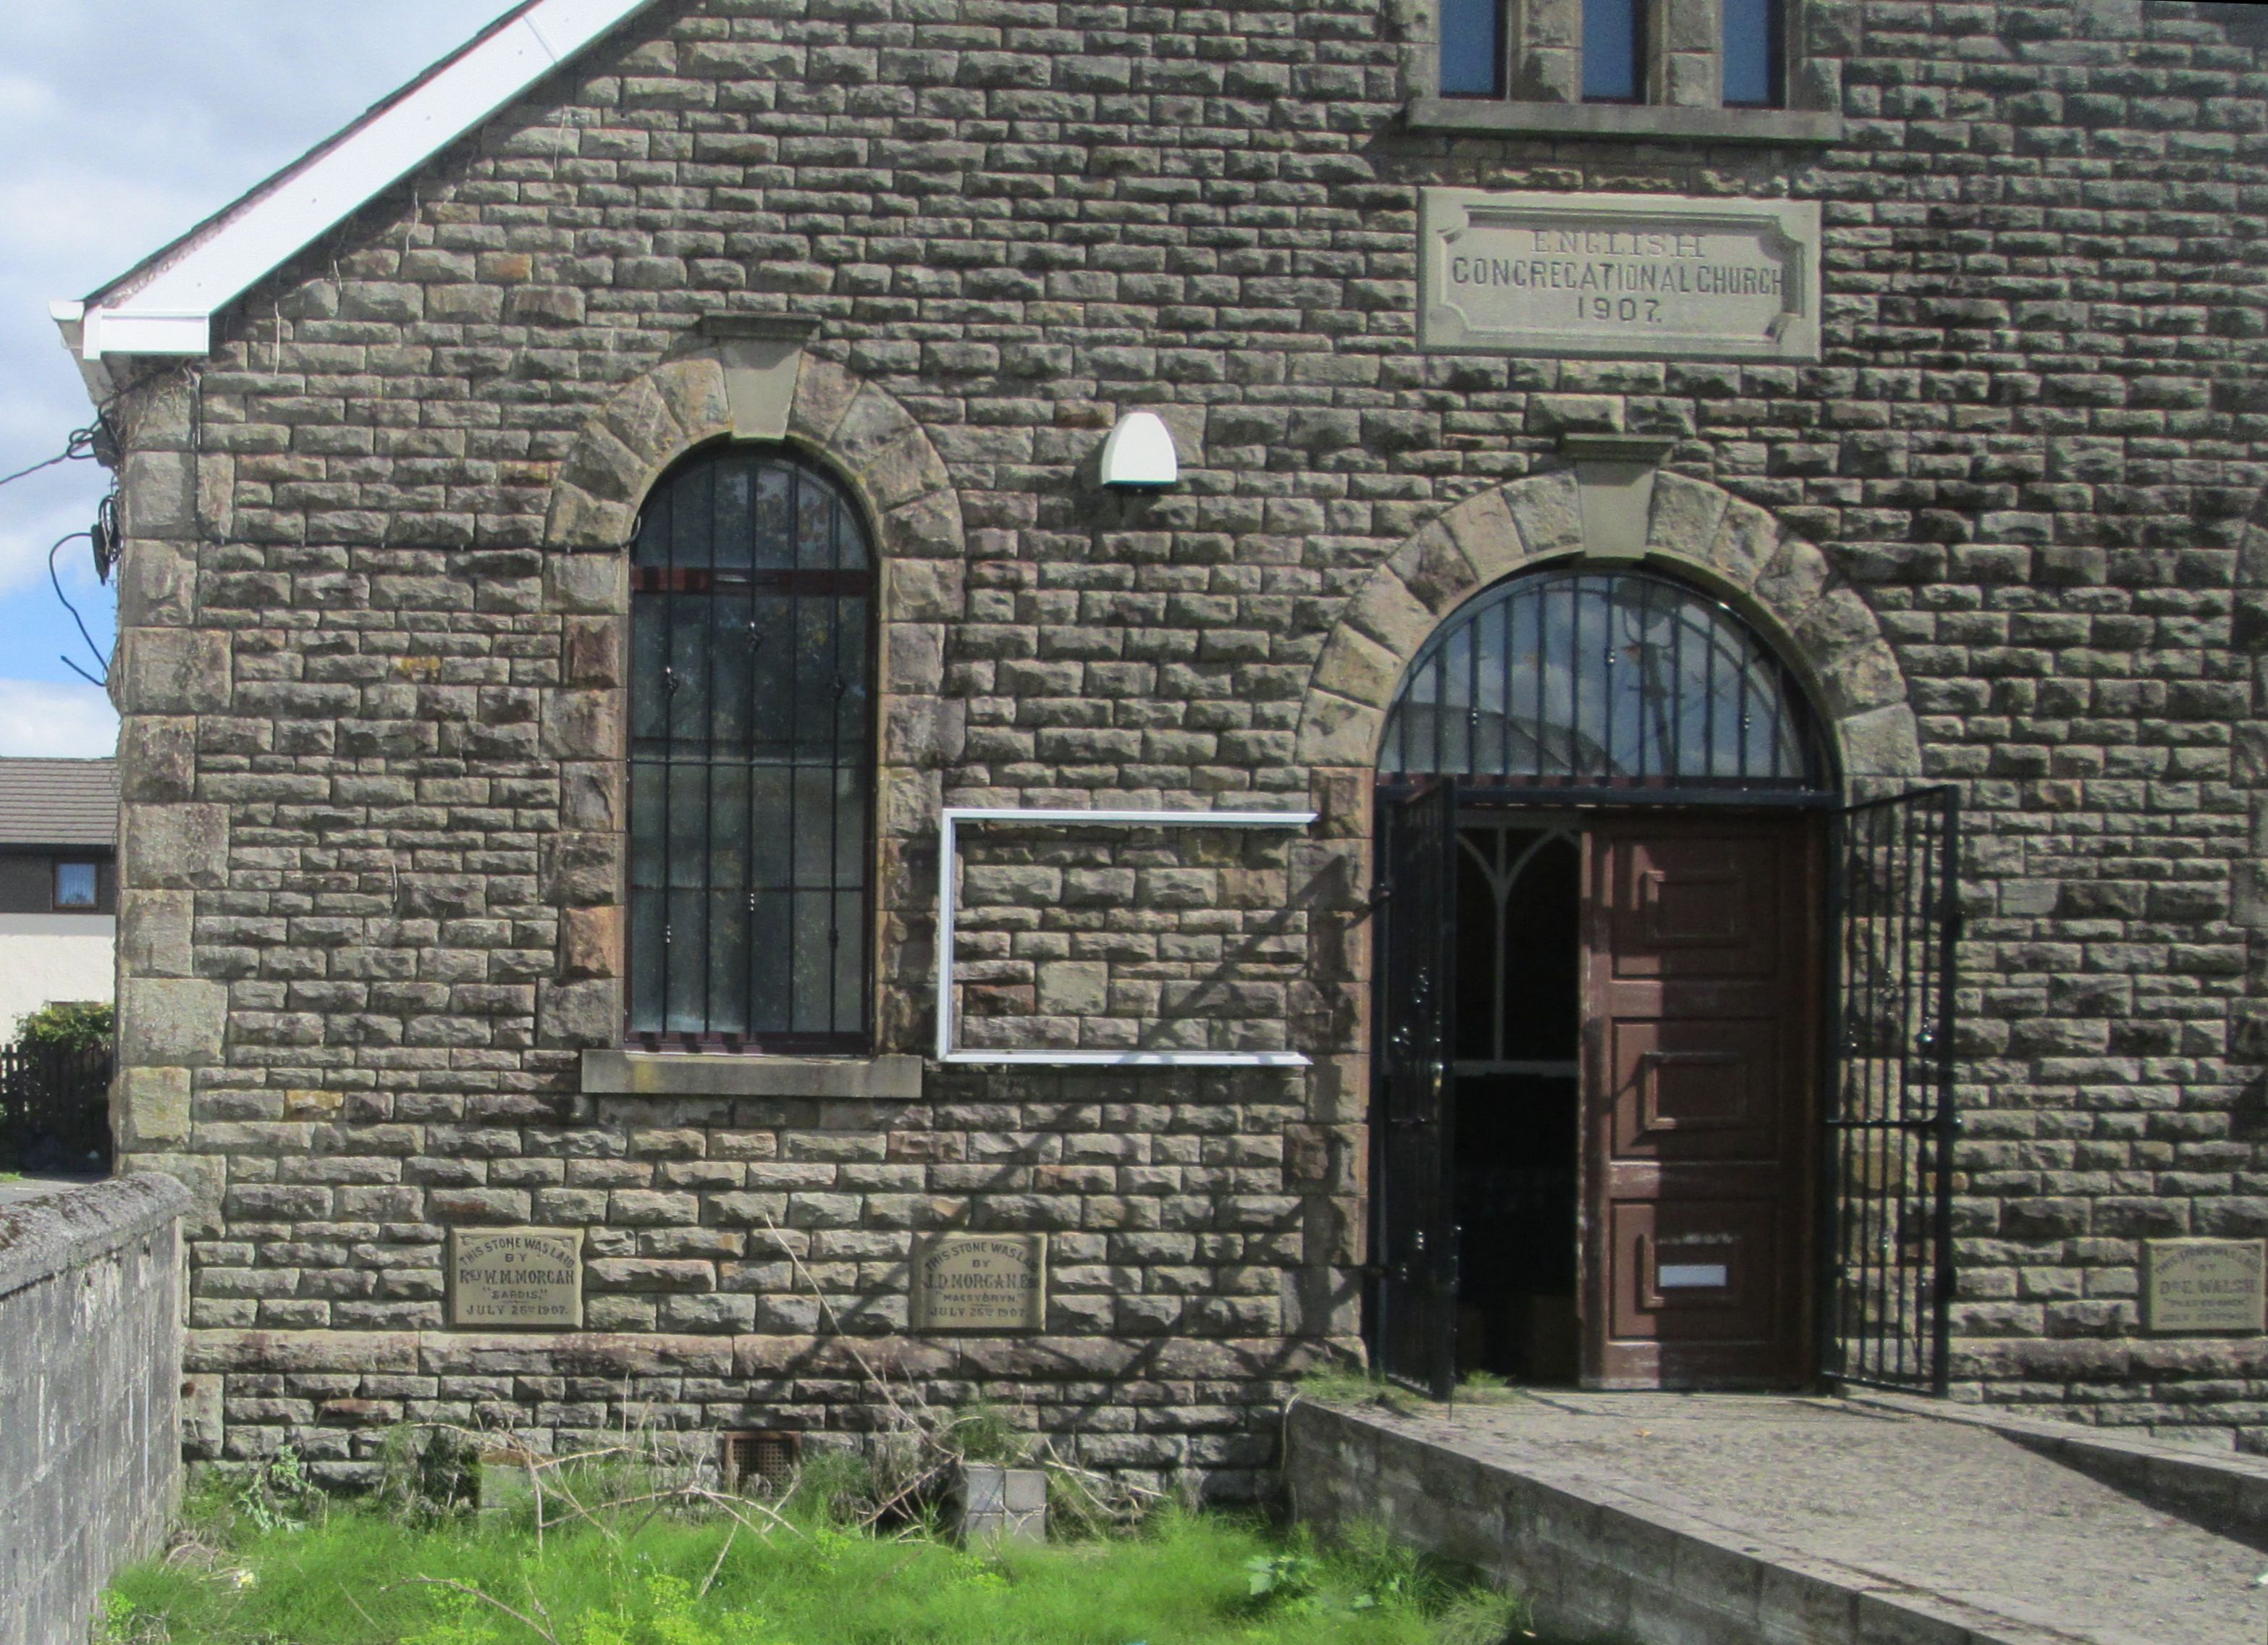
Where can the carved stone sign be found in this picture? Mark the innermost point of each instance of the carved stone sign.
(516, 1279)
(1620, 277)
(967, 1282)
(2206, 1287)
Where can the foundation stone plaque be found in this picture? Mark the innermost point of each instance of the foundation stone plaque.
(968, 1282)
(516, 1279)
(1618, 276)
(2206, 1287)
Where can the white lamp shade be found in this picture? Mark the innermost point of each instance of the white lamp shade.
(1140, 454)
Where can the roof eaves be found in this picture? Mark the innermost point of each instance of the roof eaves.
(165, 304)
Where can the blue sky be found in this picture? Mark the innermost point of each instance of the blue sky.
(124, 123)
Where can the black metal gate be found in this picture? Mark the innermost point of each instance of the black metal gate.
(1890, 1125)
(1414, 1246)
(54, 1107)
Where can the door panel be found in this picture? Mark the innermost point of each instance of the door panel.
(1698, 1088)
(1414, 1248)
(1698, 1066)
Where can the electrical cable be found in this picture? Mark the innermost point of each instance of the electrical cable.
(93, 650)
(81, 446)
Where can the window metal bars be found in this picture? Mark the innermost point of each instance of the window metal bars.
(1890, 1126)
(1604, 680)
(750, 738)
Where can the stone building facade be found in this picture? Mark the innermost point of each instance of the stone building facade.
(373, 654)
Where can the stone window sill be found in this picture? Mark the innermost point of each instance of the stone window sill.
(1622, 121)
(665, 1073)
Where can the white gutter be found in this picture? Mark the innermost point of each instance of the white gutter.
(170, 310)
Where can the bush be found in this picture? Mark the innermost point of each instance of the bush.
(67, 1027)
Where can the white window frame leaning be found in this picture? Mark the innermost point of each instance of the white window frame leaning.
(948, 857)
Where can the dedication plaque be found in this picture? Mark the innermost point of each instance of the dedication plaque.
(516, 1279)
(1619, 276)
(2206, 1287)
(965, 1282)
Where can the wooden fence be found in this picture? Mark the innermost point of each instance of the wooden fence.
(54, 1109)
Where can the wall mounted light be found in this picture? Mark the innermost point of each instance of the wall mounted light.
(1139, 456)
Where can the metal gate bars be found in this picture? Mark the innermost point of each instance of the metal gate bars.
(1891, 1126)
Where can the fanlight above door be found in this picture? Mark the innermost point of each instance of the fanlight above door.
(1604, 680)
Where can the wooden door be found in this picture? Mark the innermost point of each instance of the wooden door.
(1699, 1002)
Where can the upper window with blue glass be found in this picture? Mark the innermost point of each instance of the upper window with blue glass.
(1612, 51)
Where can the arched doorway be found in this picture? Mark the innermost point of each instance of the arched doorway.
(1612, 1064)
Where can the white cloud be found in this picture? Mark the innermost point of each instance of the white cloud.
(126, 123)
(67, 722)
(24, 99)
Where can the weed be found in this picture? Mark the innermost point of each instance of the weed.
(427, 1473)
(698, 1572)
(277, 1494)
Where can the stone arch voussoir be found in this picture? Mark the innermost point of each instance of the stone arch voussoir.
(1817, 620)
(857, 428)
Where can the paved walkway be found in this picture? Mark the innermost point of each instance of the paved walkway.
(22, 1188)
(1950, 1510)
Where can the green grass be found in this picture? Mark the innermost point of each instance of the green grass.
(1346, 1385)
(354, 1576)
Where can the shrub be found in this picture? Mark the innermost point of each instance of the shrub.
(66, 1026)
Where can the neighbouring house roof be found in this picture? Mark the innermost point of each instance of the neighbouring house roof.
(59, 802)
(165, 304)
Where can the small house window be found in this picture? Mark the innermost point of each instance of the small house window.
(1755, 72)
(1614, 51)
(751, 710)
(77, 885)
(1472, 47)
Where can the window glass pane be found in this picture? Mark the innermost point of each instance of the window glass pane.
(849, 962)
(685, 1004)
(815, 962)
(775, 550)
(75, 885)
(649, 809)
(1614, 51)
(649, 917)
(686, 686)
(649, 660)
(654, 528)
(1752, 52)
(728, 963)
(733, 520)
(732, 662)
(1602, 679)
(1472, 47)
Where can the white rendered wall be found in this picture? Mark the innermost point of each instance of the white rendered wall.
(47, 957)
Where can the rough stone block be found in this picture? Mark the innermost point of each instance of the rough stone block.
(576, 1014)
(173, 671)
(158, 759)
(591, 583)
(174, 847)
(154, 933)
(156, 587)
(153, 1107)
(158, 495)
(170, 1022)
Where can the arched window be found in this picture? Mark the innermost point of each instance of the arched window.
(751, 726)
(1610, 680)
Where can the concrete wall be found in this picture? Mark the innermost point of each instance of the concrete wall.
(90, 1396)
(47, 957)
